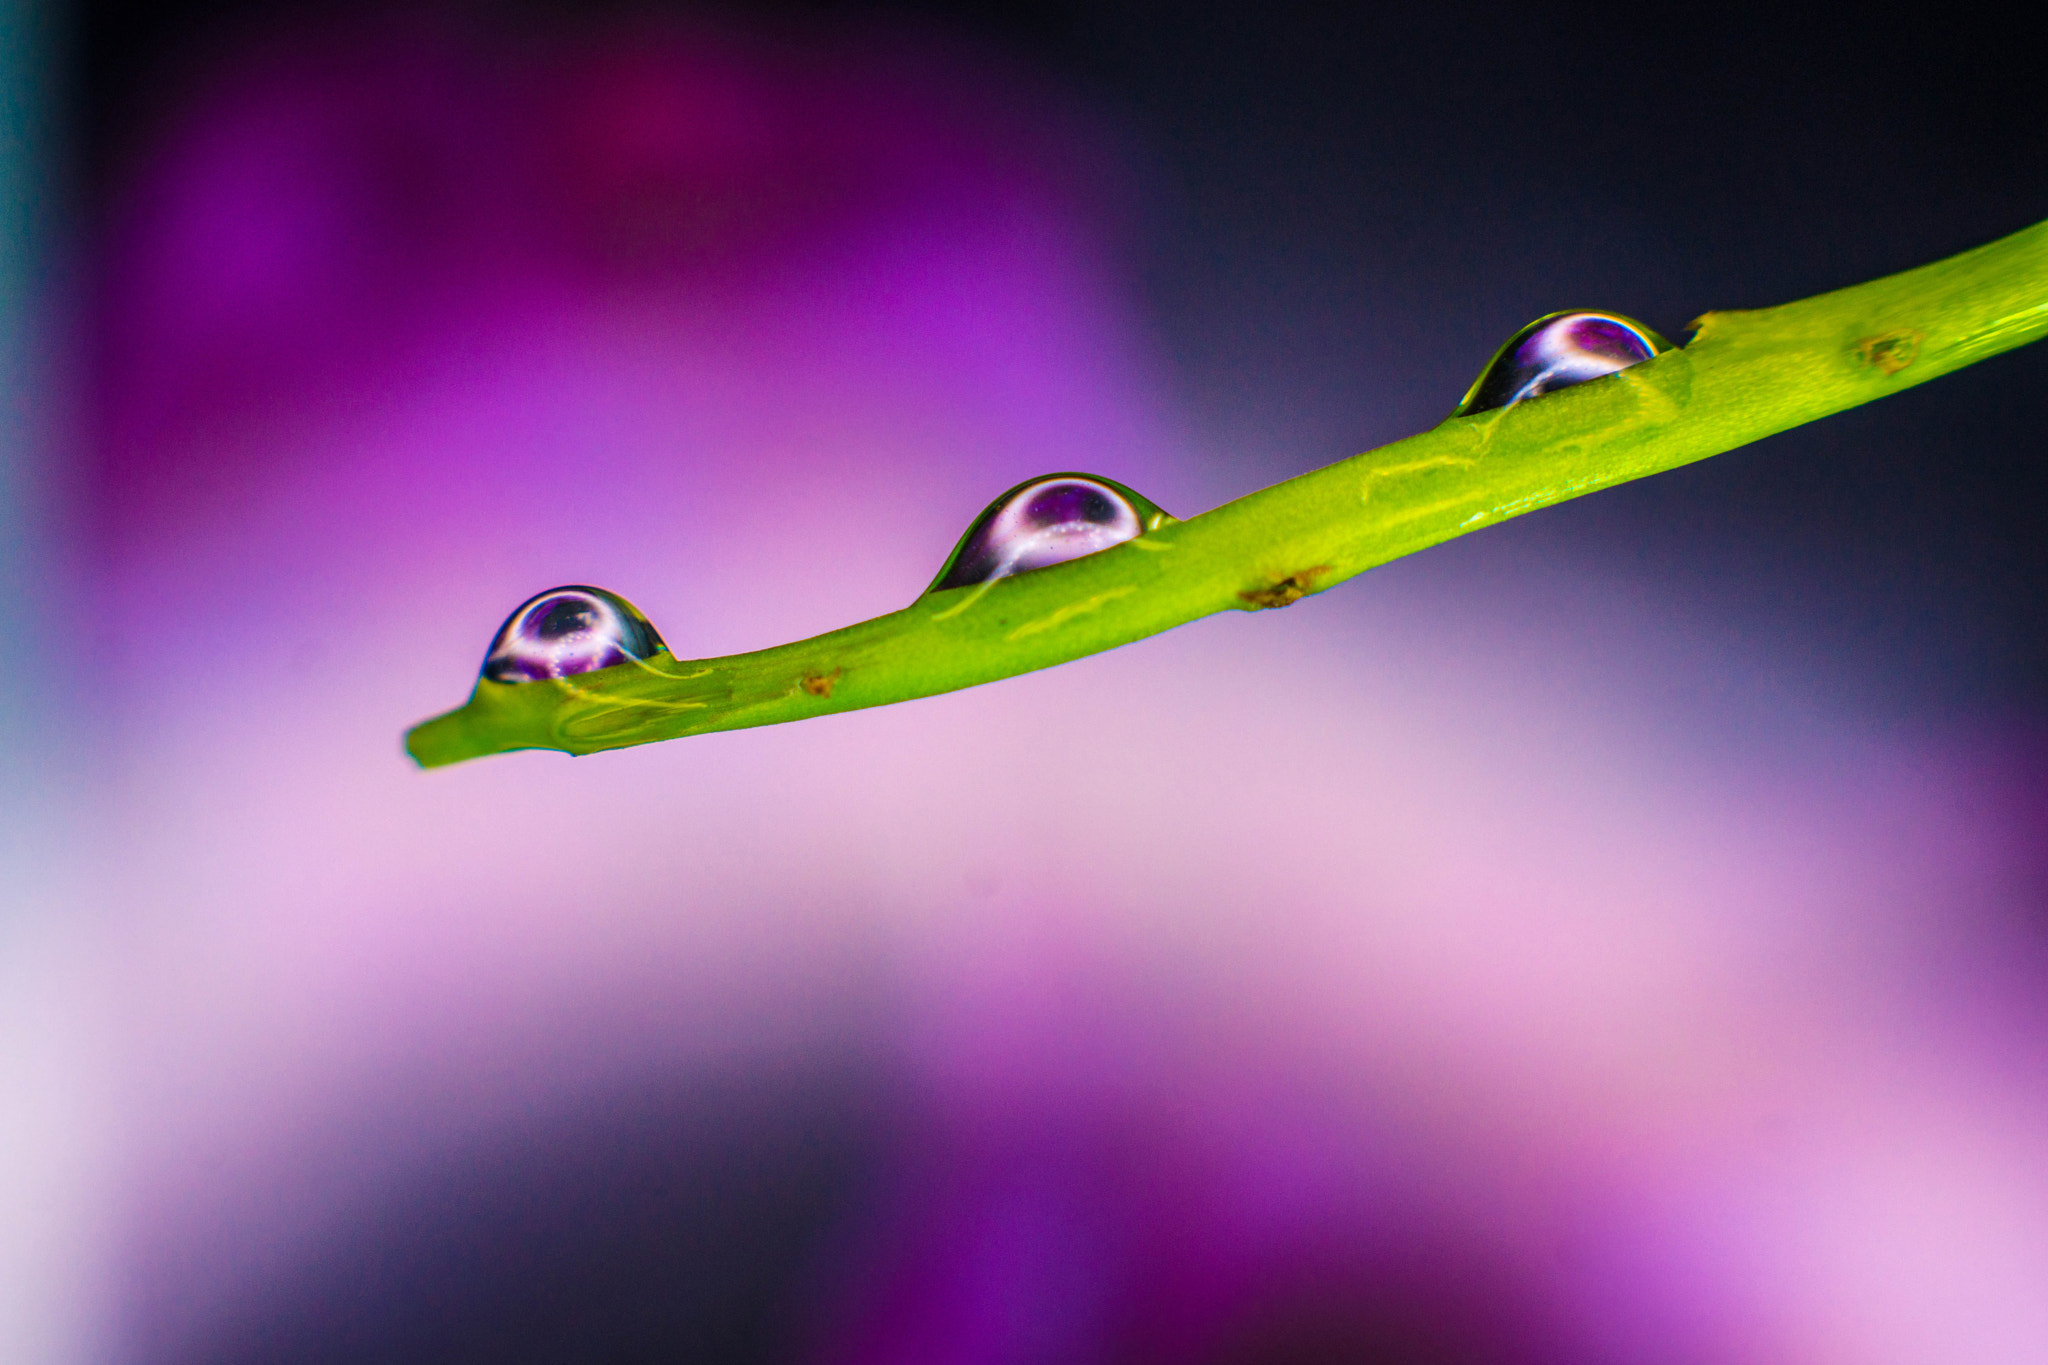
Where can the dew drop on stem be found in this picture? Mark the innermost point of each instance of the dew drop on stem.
(566, 631)
(1558, 351)
(1047, 521)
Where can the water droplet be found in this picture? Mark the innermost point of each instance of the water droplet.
(566, 631)
(1047, 521)
(1557, 352)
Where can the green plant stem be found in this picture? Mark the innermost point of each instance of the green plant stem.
(1744, 376)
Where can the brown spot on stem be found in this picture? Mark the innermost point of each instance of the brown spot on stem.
(820, 684)
(1891, 352)
(1285, 592)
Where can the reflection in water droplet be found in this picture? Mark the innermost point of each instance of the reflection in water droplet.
(1557, 352)
(566, 631)
(1047, 521)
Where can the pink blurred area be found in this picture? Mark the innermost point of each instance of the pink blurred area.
(1417, 965)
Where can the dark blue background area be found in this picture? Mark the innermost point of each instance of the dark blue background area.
(1339, 212)
(1365, 201)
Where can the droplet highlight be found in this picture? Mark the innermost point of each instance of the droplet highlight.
(566, 631)
(1556, 352)
(1047, 521)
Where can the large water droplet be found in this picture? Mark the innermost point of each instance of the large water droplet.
(1557, 352)
(566, 631)
(1047, 521)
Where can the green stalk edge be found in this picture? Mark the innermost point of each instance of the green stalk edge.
(1745, 375)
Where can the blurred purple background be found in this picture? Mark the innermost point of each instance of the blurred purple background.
(1616, 937)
